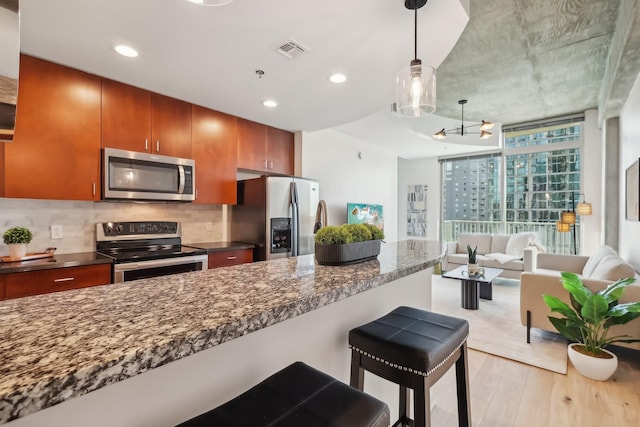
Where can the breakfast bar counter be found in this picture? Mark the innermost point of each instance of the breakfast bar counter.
(101, 356)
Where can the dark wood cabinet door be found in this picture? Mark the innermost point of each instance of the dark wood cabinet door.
(215, 150)
(2, 170)
(252, 146)
(55, 153)
(126, 117)
(280, 145)
(58, 279)
(229, 257)
(170, 126)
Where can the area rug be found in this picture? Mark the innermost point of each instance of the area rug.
(495, 327)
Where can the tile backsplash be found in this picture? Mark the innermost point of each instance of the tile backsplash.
(78, 220)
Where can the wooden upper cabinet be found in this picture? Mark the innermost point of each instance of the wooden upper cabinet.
(55, 153)
(214, 148)
(126, 117)
(265, 149)
(138, 120)
(170, 126)
(280, 147)
(252, 145)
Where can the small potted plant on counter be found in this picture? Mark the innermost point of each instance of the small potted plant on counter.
(17, 239)
(587, 322)
(347, 243)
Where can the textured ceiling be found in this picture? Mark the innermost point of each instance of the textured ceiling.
(522, 60)
(515, 61)
(519, 61)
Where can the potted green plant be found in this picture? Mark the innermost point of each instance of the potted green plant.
(17, 239)
(347, 243)
(587, 322)
(472, 263)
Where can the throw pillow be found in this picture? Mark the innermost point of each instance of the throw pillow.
(595, 259)
(612, 268)
(518, 242)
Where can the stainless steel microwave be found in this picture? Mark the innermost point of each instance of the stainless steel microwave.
(129, 175)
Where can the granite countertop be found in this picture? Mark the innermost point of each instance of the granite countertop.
(88, 338)
(220, 246)
(56, 261)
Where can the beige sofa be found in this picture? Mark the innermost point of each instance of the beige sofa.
(596, 272)
(515, 249)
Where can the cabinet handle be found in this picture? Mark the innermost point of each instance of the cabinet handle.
(196, 193)
(146, 144)
(93, 189)
(266, 164)
(158, 146)
(232, 257)
(64, 279)
(271, 164)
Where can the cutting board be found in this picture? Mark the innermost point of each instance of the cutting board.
(31, 255)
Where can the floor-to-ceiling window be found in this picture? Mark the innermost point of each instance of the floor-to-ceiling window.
(471, 195)
(523, 188)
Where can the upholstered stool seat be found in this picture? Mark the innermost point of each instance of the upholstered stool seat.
(297, 396)
(413, 348)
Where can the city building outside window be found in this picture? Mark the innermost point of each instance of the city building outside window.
(523, 188)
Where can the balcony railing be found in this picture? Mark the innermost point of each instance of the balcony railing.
(554, 241)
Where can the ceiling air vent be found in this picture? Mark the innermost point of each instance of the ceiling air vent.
(291, 49)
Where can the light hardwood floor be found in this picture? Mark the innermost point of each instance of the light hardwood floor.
(505, 393)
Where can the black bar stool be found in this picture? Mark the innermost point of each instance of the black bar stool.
(413, 348)
(297, 396)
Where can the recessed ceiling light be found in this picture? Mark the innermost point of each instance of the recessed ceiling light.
(126, 51)
(269, 103)
(211, 2)
(338, 78)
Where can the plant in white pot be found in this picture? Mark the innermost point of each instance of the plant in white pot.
(587, 322)
(472, 264)
(17, 239)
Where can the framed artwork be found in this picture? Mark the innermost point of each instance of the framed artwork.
(633, 192)
(365, 213)
(417, 211)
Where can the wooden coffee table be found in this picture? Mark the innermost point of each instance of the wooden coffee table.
(474, 286)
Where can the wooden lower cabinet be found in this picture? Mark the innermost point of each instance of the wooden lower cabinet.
(230, 257)
(58, 279)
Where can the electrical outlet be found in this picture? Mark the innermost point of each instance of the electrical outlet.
(209, 226)
(56, 232)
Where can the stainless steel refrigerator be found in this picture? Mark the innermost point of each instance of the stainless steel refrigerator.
(277, 214)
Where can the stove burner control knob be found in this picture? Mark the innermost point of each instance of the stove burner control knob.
(119, 228)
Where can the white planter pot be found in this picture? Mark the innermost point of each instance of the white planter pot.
(17, 251)
(593, 367)
(473, 269)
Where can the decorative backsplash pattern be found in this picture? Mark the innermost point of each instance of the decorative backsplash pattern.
(200, 223)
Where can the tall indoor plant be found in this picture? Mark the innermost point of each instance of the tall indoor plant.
(587, 322)
(17, 239)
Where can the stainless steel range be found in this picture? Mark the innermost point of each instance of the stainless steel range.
(147, 249)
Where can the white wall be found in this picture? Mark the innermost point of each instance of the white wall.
(592, 183)
(629, 231)
(331, 158)
(423, 172)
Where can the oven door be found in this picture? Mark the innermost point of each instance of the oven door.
(128, 271)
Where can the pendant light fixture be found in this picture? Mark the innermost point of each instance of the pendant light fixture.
(462, 130)
(416, 84)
